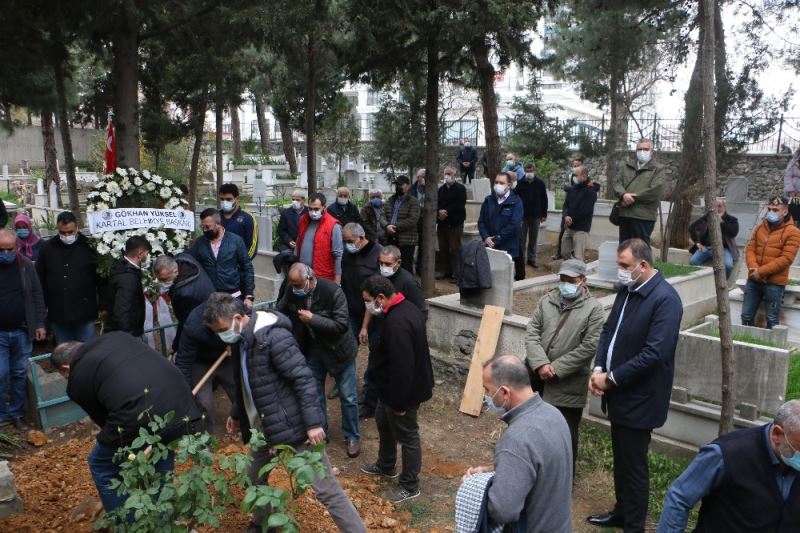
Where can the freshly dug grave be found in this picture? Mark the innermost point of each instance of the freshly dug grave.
(58, 495)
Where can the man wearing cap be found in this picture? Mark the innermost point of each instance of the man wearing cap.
(400, 223)
(770, 254)
(290, 220)
(561, 341)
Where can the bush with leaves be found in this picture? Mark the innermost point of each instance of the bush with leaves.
(198, 492)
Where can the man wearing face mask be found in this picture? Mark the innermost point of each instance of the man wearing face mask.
(289, 221)
(277, 394)
(561, 341)
(401, 213)
(770, 253)
(187, 284)
(638, 190)
(317, 308)
(633, 374)
(533, 193)
(125, 307)
(402, 375)
(344, 210)
(224, 257)
(319, 240)
(532, 460)
(569, 183)
(21, 321)
(500, 220)
(372, 214)
(578, 214)
(747, 481)
(513, 165)
(451, 212)
(68, 273)
(237, 220)
(467, 161)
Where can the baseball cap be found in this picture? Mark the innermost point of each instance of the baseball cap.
(572, 268)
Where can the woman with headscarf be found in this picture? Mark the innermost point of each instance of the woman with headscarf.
(791, 186)
(28, 242)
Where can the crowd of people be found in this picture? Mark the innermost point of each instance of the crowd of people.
(349, 281)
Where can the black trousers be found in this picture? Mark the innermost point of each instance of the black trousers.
(519, 268)
(468, 174)
(631, 475)
(403, 430)
(560, 236)
(573, 417)
(633, 228)
(407, 257)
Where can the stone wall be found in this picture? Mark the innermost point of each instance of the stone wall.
(764, 172)
(25, 144)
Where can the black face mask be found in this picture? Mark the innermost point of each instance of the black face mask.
(211, 234)
(399, 190)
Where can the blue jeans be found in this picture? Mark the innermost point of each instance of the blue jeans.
(15, 349)
(756, 291)
(700, 257)
(104, 469)
(346, 381)
(73, 331)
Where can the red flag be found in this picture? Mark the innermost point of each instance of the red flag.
(111, 149)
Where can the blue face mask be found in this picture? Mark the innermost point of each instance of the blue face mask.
(351, 247)
(23, 233)
(794, 460)
(376, 202)
(491, 407)
(6, 258)
(773, 218)
(301, 292)
(569, 291)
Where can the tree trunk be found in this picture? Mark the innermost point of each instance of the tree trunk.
(489, 104)
(125, 72)
(236, 129)
(311, 101)
(710, 180)
(198, 124)
(66, 142)
(220, 109)
(428, 248)
(615, 137)
(261, 119)
(287, 143)
(50, 154)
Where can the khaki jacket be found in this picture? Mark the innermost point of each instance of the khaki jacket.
(572, 352)
(647, 183)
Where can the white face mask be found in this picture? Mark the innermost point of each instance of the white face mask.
(315, 215)
(467, 144)
(491, 407)
(643, 156)
(448, 179)
(375, 311)
(68, 239)
(231, 336)
(342, 201)
(513, 185)
(499, 190)
(625, 277)
(297, 205)
(529, 176)
(144, 265)
(387, 271)
(226, 205)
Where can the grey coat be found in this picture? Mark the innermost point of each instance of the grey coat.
(473, 271)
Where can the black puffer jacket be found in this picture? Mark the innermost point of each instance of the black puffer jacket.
(283, 389)
(108, 378)
(125, 299)
(68, 274)
(197, 343)
(328, 333)
(356, 268)
(192, 288)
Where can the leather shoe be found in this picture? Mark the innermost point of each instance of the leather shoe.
(353, 448)
(606, 520)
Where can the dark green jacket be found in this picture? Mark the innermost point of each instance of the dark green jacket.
(407, 216)
(647, 183)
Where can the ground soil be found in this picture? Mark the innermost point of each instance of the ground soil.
(58, 494)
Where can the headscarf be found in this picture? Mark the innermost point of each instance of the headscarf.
(25, 246)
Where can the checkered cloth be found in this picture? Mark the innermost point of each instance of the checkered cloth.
(470, 501)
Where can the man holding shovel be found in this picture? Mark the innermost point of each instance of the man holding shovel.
(115, 378)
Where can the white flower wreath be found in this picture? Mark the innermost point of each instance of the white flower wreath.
(127, 187)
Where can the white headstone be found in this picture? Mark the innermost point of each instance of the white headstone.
(5, 172)
(40, 186)
(607, 261)
(259, 191)
(551, 200)
(481, 188)
(264, 233)
(268, 176)
(250, 175)
(502, 291)
(53, 195)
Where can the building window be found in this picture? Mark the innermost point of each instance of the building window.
(373, 97)
(352, 98)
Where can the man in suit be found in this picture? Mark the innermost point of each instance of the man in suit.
(633, 373)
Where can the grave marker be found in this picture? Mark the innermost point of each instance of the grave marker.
(485, 346)
(481, 188)
(502, 292)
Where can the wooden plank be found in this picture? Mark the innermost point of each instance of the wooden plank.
(485, 346)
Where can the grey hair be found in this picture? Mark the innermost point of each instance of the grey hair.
(645, 140)
(64, 352)
(302, 269)
(221, 306)
(354, 229)
(164, 262)
(392, 251)
(508, 370)
(376, 191)
(788, 417)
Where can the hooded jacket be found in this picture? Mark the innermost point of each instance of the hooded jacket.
(772, 250)
(115, 378)
(572, 349)
(191, 288)
(68, 274)
(125, 305)
(282, 387)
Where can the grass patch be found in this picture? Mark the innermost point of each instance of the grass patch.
(595, 452)
(749, 339)
(8, 197)
(794, 281)
(419, 513)
(793, 379)
(671, 270)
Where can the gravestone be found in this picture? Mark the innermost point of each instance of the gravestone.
(607, 262)
(264, 233)
(736, 190)
(259, 192)
(551, 200)
(9, 500)
(502, 292)
(5, 173)
(481, 188)
(250, 175)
